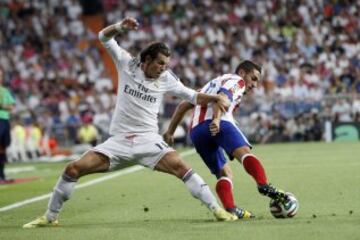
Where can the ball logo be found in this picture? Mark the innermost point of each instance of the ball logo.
(287, 209)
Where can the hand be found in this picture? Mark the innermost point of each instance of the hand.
(214, 127)
(223, 102)
(168, 138)
(129, 24)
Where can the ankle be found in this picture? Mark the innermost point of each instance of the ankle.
(51, 216)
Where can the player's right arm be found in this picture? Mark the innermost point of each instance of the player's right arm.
(125, 25)
(106, 36)
(176, 118)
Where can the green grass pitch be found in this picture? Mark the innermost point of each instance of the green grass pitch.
(325, 177)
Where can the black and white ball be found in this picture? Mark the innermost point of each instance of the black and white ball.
(284, 210)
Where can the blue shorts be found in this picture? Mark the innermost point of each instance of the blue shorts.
(211, 148)
(5, 137)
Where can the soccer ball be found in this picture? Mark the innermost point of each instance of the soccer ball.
(284, 210)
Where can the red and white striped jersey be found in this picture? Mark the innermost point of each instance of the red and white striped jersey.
(230, 84)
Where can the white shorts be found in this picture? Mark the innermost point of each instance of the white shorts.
(141, 148)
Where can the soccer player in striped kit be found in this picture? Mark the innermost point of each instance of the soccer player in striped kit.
(213, 131)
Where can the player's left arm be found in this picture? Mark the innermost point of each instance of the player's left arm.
(176, 118)
(214, 126)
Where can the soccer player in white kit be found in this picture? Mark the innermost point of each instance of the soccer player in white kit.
(134, 127)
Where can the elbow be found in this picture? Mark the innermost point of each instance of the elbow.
(102, 36)
(185, 105)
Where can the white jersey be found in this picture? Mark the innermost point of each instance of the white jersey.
(139, 98)
(230, 84)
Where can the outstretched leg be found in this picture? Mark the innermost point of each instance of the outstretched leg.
(173, 164)
(253, 167)
(90, 162)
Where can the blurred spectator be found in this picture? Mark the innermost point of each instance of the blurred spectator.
(309, 50)
(7, 103)
(72, 124)
(357, 117)
(341, 110)
(33, 139)
(88, 133)
(314, 131)
(102, 121)
(17, 150)
(356, 106)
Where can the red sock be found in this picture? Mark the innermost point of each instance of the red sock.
(253, 167)
(224, 191)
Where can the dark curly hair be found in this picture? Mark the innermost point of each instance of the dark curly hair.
(247, 66)
(153, 50)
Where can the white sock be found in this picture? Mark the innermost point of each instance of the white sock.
(200, 190)
(62, 192)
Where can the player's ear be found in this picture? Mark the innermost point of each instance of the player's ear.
(241, 73)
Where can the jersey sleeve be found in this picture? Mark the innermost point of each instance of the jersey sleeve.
(177, 88)
(233, 88)
(119, 55)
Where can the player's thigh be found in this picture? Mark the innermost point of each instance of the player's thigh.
(231, 138)
(172, 163)
(90, 162)
(208, 149)
(214, 159)
(149, 149)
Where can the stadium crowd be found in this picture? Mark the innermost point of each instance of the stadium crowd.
(309, 51)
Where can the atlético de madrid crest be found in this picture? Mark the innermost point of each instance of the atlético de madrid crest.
(241, 83)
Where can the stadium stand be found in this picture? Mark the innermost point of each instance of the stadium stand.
(309, 51)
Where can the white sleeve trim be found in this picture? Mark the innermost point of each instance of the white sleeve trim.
(194, 98)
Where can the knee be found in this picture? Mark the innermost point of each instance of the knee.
(172, 164)
(226, 172)
(72, 170)
(180, 170)
(239, 153)
(228, 175)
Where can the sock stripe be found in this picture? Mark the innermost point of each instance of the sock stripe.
(226, 179)
(245, 156)
(67, 178)
(187, 175)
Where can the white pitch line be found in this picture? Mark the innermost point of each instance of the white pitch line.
(86, 184)
(15, 170)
